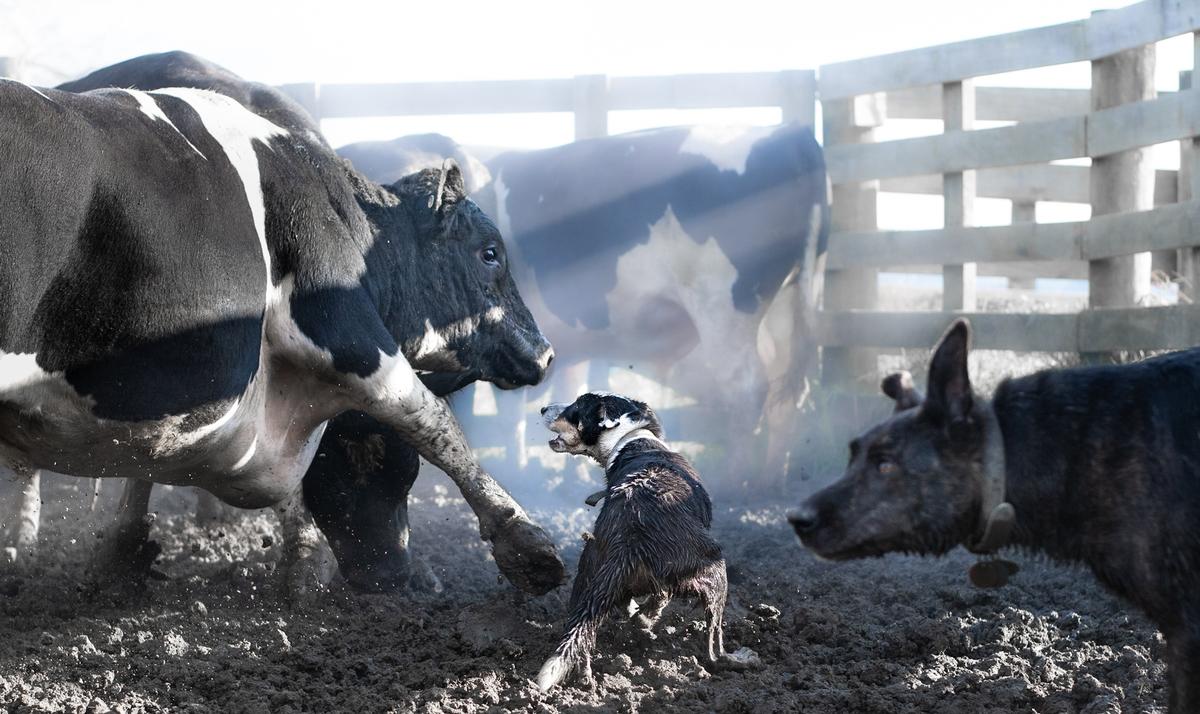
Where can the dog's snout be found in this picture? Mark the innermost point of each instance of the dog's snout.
(803, 519)
(544, 410)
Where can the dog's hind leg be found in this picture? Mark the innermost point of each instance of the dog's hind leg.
(711, 585)
(650, 612)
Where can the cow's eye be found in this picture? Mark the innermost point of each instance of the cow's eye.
(887, 468)
(490, 256)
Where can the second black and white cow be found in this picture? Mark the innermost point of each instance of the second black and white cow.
(192, 284)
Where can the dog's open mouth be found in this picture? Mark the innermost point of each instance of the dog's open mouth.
(558, 445)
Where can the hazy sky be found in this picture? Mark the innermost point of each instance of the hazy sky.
(392, 41)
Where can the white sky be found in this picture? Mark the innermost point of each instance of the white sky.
(357, 41)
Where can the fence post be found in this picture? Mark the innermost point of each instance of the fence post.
(1188, 185)
(1023, 212)
(958, 193)
(853, 206)
(591, 106)
(1121, 182)
(799, 96)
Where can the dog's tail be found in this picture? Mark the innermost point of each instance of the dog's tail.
(600, 593)
(574, 647)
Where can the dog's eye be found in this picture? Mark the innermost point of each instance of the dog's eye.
(490, 255)
(887, 468)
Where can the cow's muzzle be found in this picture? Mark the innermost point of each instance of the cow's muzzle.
(525, 366)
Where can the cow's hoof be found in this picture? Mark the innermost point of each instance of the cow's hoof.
(423, 579)
(303, 577)
(300, 582)
(124, 555)
(527, 557)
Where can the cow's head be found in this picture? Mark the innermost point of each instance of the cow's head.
(470, 317)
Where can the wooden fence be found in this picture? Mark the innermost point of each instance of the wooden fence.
(589, 97)
(1134, 209)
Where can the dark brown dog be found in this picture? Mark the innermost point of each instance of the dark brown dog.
(651, 537)
(1097, 465)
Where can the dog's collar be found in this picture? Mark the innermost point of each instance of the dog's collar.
(997, 516)
(624, 441)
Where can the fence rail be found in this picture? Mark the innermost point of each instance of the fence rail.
(589, 97)
(1139, 328)
(1103, 35)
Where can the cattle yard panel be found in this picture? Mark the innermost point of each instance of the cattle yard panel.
(588, 97)
(1135, 209)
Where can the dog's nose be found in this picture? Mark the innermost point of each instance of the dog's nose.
(544, 410)
(803, 519)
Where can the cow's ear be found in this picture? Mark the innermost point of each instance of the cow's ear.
(450, 188)
(899, 386)
(950, 396)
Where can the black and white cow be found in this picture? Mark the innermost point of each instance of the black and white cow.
(192, 284)
(692, 253)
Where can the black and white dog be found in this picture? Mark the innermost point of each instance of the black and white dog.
(651, 538)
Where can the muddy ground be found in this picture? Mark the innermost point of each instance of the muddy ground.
(892, 635)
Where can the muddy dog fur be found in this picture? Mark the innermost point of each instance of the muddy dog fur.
(651, 538)
(1100, 463)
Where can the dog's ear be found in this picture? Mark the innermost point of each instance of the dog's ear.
(899, 386)
(594, 422)
(950, 395)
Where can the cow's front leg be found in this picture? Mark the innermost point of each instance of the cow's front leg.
(523, 551)
(1183, 668)
(26, 517)
(304, 566)
(124, 551)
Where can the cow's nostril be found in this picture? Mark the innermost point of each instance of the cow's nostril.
(803, 519)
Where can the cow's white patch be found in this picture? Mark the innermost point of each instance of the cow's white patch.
(727, 147)
(150, 108)
(215, 426)
(18, 370)
(30, 87)
(236, 129)
(253, 448)
(433, 343)
(503, 219)
(697, 279)
(394, 380)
